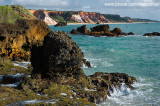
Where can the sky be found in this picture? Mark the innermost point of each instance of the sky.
(146, 9)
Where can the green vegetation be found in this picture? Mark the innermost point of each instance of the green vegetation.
(114, 18)
(7, 68)
(9, 14)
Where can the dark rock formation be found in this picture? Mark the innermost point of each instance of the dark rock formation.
(59, 55)
(74, 31)
(17, 39)
(9, 80)
(60, 24)
(117, 31)
(100, 28)
(87, 63)
(130, 33)
(82, 29)
(152, 34)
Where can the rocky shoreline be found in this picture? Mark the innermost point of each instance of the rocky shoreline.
(55, 73)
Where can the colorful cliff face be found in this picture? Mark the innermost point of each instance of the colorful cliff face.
(80, 17)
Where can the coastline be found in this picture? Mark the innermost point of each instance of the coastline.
(108, 23)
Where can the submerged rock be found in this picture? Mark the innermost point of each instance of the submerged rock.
(58, 56)
(152, 34)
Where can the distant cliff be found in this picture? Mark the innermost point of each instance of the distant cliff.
(52, 17)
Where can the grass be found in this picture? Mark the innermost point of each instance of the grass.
(7, 68)
(9, 14)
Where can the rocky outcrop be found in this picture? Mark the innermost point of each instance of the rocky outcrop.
(60, 60)
(101, 30)
(117, 31)
(59, 55)
(152, 34)
(82, 29)
(17, 39)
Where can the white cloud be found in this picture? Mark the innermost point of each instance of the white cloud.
(41, 2)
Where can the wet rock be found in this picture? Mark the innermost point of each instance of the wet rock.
(82, 29)
(87, 63)
(59, 55)
(60, 24)
(152, 34)
(74, 31)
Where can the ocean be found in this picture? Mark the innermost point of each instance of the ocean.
(137, 56)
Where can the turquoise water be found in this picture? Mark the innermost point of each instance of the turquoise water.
(136, 55)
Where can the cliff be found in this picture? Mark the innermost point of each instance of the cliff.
(19, 30)
(53, 17)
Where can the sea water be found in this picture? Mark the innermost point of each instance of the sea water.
(137, 56)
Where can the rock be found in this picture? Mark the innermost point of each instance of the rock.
(9, 80)
(117, 31)
(130, 33)
(61, 24)
(152, 34)
(100, 28)
(82, 29)
(74, 31)
(17, 39)
(59, 55)
(87, 63)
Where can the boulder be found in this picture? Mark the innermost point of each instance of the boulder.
(117, 31)
(59, 56)
(100, 28)
(82, 29)
(74, 31)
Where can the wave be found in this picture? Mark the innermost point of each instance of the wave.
(141, 95)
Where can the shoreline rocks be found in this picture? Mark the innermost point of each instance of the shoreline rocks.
(100, 30)
(152, 34)
(60, 59)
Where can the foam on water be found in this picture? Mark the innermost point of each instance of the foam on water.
(141, 95)
(22, 64)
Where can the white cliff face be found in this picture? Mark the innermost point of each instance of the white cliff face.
(78, 18)
(49, 20)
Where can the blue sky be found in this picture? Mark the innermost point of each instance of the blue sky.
(151, 9)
